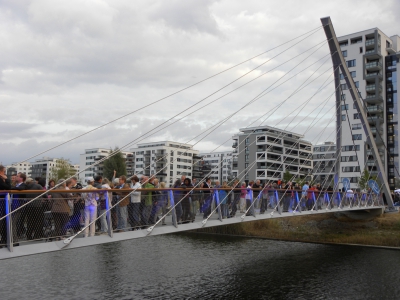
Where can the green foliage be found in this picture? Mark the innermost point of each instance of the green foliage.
(287, 176)
(364, 178)
(62, 170)
(115, 162)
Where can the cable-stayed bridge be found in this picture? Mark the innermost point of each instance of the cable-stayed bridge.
(21, 215)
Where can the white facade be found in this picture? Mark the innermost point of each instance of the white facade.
(91, 156)
(324, 160)
(365, 54)
(166, 160)
(221, 165)
(23, 167)
(266, 153)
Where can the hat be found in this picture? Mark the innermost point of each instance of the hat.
(89, 179)
(29, 179)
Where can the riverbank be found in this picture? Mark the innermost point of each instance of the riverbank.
(322, 228)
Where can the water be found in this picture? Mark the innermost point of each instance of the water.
(204, 267)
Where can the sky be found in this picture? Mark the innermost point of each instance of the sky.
(68, 67)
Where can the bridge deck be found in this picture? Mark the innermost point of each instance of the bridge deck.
(36, 247)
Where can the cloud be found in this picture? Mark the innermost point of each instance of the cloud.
(69, 67)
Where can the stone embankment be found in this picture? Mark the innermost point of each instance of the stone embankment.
(337, 228)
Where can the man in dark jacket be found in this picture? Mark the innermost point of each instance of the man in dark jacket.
(34, 212)
(5, 185)
(19, 200)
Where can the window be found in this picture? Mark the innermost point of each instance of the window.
(341, 76)
(356, 40)
(351, 148)
(357, 84)
(351, 63)
(343, 96)
(343, 86)
(246, 157)
(356, 126)
(357, 137)
(361, 49)
(247, 141)
(356, 116)
(343, 43)
(351, 169)
(353, 74)
(345, 106)
(343, 117)
(344, 53)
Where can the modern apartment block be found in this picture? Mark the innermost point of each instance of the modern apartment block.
(168, 160)
(220, 164)
(372, 58)
(324, 161)
(22, 167)
(266, 153)
(91, 156)
(42, 167)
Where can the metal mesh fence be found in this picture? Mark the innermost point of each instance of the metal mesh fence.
(56, 216)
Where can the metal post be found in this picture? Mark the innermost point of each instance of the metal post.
(108, 215)
(10, 236)
(171, 199)
(216, 196)
(315, 202)
(278, 202)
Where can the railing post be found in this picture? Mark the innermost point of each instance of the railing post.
(171, 199)
(315, 202)
(9, 228)
(108, 215)
(216, 196)
(277, 201)
(297, 201)
(327, 201)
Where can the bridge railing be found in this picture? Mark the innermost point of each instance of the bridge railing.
(62, 213)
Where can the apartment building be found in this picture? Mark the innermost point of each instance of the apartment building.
(167, 160)
(92, 156)
(220, 165)
(266, 153)
(372, 58)
(22, 167)
(324, 161)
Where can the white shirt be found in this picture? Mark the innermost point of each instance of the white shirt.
(135, 196)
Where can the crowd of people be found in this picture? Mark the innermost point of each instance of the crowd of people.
(73, 207)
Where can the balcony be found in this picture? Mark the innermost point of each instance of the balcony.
(234, 145)
(374, 99)
(369, 43)
(374, 108)
(390, 50)
(375, 119)
(374, 130)
(373, 66)
(373, 87)
(372, 53)
(370, 77)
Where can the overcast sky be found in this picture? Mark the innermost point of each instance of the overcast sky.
(70, 66)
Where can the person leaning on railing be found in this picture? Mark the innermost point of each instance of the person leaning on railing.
(60, 209)
(35, 212)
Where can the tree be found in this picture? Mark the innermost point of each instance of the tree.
(62, 170)
(364, 178)
(287, 176)
(115, 162)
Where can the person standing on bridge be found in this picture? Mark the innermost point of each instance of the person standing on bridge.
(134, 206)
(5, 185)
(207, 198)
(122, 208)
(250, 199)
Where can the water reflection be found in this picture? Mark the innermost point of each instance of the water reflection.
(206, 267)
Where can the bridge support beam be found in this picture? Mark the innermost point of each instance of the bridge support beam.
(338, 61)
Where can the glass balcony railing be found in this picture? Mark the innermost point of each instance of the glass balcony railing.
(373, 65)
(370, 42)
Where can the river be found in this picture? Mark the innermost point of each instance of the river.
(204, 267)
